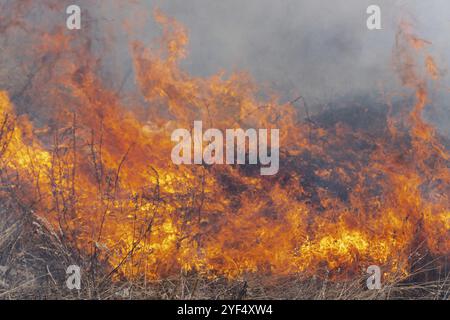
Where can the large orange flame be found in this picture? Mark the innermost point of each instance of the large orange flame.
(102, 174)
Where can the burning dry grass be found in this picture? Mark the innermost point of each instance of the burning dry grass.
(87, 181)
(35, 256)
(33, 263)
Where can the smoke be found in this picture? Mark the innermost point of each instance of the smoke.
(317, 48)
(320, 49)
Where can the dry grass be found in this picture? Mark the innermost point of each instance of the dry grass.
(33, 260)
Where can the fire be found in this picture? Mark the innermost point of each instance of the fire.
(432, 67)
(343, 199)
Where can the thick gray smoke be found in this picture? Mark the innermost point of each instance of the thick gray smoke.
(320, 49)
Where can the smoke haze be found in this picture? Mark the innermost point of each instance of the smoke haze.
(319, 49)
